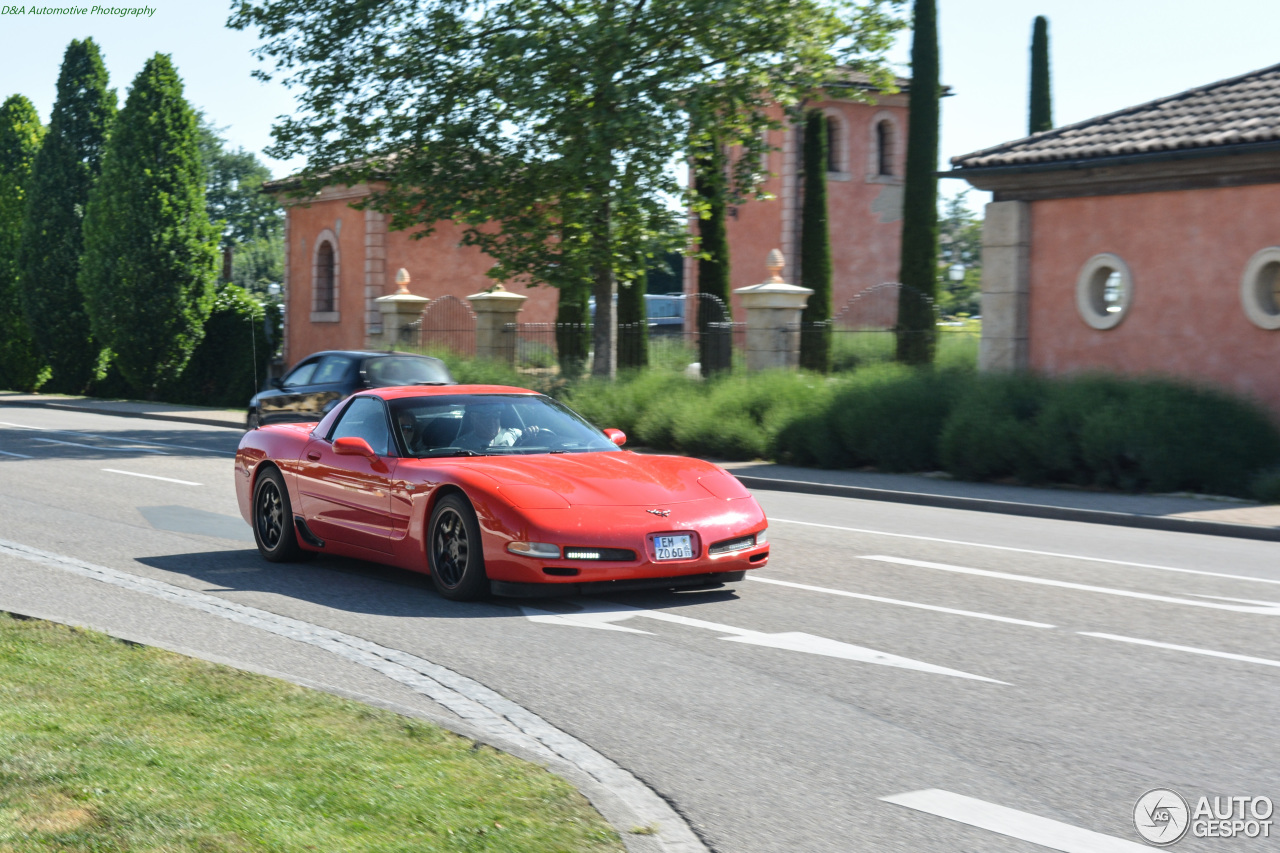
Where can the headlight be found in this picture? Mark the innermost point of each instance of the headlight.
(545, 550)
(762, 537)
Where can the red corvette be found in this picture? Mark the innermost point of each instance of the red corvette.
(493, 489)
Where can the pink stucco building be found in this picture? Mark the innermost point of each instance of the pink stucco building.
(1146, 241)
(867, 142)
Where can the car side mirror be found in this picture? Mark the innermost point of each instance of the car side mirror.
(352, 445)
(277, 384)
(617, 436)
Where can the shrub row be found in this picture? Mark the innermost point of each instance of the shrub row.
(1130, 434)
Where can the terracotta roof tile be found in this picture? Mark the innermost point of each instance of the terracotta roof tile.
(1236, 111)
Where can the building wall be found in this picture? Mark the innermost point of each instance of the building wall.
(1187, 251)
(864, 209)
(367, 261)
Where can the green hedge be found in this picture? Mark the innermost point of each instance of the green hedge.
(221, 370)
(1094, 431)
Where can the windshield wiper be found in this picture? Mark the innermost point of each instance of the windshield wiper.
(452, 451)
(430, 382)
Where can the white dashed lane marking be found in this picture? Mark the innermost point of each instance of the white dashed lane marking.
(1080, 587)
(1013, 550)
(152, 477)
(900, 603)
(1189, 649)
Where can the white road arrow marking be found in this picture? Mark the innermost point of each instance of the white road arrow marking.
(1168, 599)
(1015, 824)
(602, 615)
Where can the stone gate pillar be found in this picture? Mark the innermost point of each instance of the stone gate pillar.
(773, 319)
(400, 311)
(1006, 286)
(494, 309)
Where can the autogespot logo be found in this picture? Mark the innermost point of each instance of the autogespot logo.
(1161, 816)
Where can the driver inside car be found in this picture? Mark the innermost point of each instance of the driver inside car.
(482, 428)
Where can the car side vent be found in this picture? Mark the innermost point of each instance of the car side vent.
(728, 546)
(614, 555)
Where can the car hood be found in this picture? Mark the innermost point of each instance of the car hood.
(607, 479)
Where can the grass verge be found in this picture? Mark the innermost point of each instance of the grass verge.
(105, 746)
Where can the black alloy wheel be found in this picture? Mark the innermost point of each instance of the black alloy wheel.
(273, 519)
(454, 552)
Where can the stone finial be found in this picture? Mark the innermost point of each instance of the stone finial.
(774, 264)
(402, 280)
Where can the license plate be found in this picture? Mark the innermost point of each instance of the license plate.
(676, 547)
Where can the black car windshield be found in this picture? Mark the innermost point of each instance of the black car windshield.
(492, 424)
(405, 370)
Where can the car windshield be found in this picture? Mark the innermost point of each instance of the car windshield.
(492, 424)
(405, 370)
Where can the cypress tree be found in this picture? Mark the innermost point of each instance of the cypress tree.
(815, 247)
(150, 250)
(918, 271)
(713, 240)
(713, 265)
(65, 170)
(573, 327)
(20, 135)
(1041, 111)
(633, 323)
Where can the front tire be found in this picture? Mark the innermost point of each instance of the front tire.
(273, 519)
(454, 552)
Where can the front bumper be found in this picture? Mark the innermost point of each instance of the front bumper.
(709, 521)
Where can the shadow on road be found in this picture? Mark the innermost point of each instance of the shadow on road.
(358, 586)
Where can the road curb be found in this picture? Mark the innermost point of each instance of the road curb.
(1057, 513)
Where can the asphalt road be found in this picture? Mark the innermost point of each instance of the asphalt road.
(1032, 677)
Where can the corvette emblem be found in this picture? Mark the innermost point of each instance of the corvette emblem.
(662, 512)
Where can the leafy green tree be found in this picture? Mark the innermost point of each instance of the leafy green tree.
(149, 263)
(65, 170)
(918, 272)
(960, 258)
(21, 367)
(1041, 110)
(547, 128)
(251, 221)
(815, 246)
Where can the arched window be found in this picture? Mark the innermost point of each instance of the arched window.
(324, 278)
(833, 144)
(884, 147)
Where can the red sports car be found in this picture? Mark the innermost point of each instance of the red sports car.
(493, 489)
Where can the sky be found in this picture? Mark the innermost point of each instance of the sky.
(1104, 55)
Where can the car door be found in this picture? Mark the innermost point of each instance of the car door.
(333, 380)
(348, 498)
(283, 404)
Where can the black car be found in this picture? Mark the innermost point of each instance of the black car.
(320, 381)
